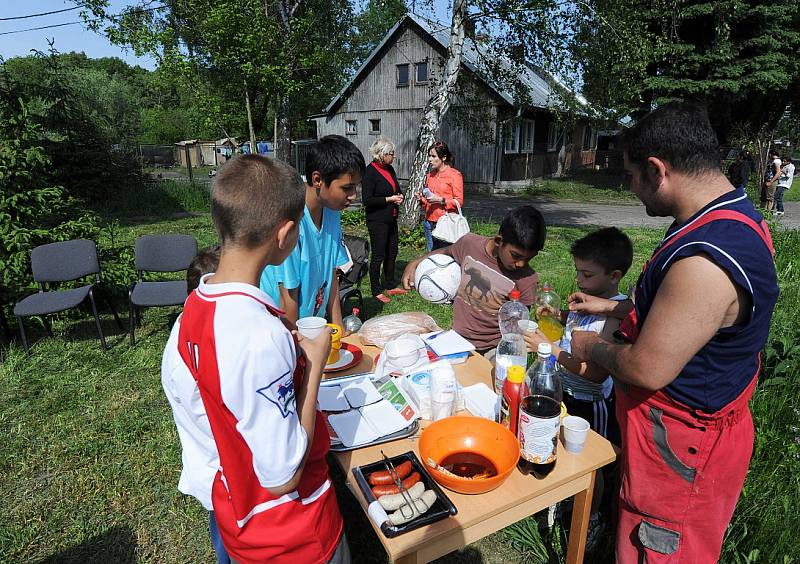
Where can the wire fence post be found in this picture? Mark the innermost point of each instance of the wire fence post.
(188, 162)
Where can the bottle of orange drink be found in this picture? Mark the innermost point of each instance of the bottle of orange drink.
(548, 313)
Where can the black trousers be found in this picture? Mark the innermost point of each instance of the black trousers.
(383, 240)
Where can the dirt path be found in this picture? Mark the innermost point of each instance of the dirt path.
(577, 214)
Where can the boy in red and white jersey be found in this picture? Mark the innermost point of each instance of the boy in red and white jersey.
(271, 495)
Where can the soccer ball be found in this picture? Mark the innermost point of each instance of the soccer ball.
(437, 278)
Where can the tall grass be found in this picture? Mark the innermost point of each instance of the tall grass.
(90, 455)
(157, 199)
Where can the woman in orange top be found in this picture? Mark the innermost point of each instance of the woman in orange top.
(444, 185)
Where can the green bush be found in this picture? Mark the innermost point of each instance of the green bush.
(33, 210)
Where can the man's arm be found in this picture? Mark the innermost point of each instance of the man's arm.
(290, 305)
(695, 300)
(585, 303)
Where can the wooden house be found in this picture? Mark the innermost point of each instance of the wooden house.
(503, 149)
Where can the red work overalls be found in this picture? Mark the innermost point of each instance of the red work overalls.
(682, 469)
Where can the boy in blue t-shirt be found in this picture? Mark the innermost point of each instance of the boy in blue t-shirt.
(306, 283)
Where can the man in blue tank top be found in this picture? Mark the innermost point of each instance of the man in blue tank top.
(687, 359)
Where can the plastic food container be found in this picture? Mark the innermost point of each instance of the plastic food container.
(441, 509)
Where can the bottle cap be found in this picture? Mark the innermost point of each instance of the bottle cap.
(356, 311)
(515, 374)
(545, 349)
(514, 294)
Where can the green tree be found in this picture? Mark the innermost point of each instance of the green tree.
(371, 24)
(739, 57)
(286, 56)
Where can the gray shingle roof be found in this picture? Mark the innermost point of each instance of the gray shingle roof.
(539, 83)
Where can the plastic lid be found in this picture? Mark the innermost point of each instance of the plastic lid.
(545, 349)
(515, 374)
(514, 294)
(356, 311)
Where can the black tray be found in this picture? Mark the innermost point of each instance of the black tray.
(412, 428)
(441, 509)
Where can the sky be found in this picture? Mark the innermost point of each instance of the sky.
(67, 38)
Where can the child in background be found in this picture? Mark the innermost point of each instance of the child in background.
(306, 284)
(204, 262)
(601, 260)
(270, 492)
(491, 267)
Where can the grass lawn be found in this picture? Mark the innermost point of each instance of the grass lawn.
(91, 457)
(589, 186)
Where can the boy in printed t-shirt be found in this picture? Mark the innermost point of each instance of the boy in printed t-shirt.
(271, 495)
(490, 268)
(306, 283)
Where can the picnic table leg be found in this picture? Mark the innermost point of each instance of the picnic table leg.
(581, 509)
(412, 558)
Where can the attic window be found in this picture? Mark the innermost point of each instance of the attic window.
(374, 126)
(351, 127)
(422, 72)
(402, 75)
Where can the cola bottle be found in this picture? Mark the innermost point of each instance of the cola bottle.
(540, 415)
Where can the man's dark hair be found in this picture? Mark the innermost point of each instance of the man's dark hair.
(204, 262)
(678, 133)
(787, 159)
(251, 195)
(524, 227)
(609, 248)
(332, 156)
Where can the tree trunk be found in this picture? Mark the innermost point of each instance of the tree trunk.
(250, 121)
(432, 116)
(283, 150)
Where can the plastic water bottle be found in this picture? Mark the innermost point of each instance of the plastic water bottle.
(548, 313)
(540, 415)
(511, 313)
(511, 351)
(352, 323)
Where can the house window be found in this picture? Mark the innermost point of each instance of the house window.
(374, 126)
(526, 130)
(511, 138)
(589, 138)
(351, 127)
(422, 72)
(402, 75)
(553, 134)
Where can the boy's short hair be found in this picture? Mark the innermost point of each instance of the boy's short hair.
(524, 227)
(204, 262)
(332, 156)
(678, 133)
(609, 248)
(251, 195)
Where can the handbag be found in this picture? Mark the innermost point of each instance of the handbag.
(451, 226)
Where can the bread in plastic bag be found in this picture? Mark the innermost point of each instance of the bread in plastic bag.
(380, 330)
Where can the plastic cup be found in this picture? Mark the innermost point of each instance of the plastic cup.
(575, 431)
(527, 325)
(311, 327)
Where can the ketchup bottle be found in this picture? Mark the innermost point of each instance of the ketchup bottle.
(509, 406)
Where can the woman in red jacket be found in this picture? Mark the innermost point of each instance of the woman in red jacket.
(382, 197)
(444, 186)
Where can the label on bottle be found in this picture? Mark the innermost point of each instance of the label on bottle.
(505, 419)
(538, 437)
(502, 363)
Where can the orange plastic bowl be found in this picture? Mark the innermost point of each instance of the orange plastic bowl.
(475, 435)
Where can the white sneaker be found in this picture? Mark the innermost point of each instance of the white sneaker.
(778, 213)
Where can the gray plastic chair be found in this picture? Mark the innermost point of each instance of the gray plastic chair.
(159, 253)
(62, 262)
